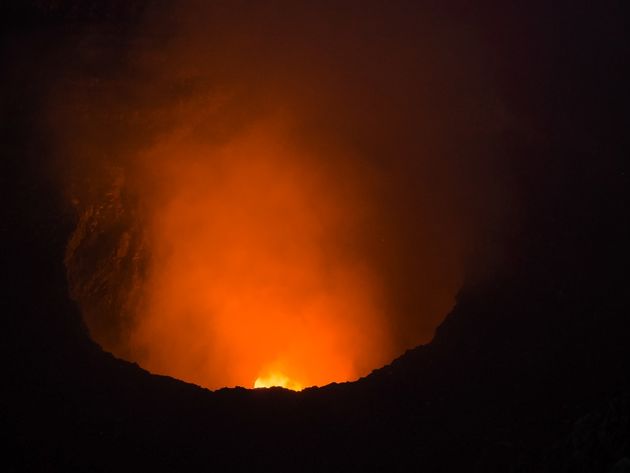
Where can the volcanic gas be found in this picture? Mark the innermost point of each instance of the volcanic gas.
(255, 269)
(263, 209)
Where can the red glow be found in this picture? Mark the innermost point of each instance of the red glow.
(256, 278)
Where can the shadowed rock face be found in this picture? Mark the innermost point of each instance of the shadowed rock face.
(529, 372)
(107, 261)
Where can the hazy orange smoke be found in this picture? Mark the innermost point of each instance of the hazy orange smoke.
(255, 273)
(272, 195)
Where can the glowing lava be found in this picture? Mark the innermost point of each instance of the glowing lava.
(277, 379)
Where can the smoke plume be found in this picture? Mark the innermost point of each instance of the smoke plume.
(270, 191)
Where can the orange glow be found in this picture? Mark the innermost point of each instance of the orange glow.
(256, 276)
(276, 379)
(253, 206)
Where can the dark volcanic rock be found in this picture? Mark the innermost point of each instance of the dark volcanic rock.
(107, 261)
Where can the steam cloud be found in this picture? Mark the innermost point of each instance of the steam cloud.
(274, 188)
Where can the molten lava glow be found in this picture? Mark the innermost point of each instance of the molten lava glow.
(276, 379)
(256, 276)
